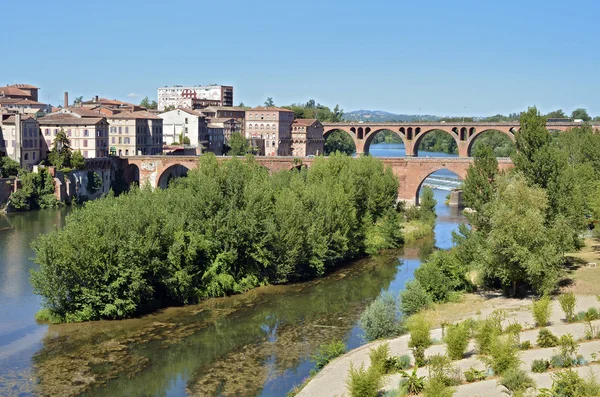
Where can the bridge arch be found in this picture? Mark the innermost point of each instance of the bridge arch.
(472, 139)
(457, 172)
(372, 134)
(131, 173)
(418, 138)
(170, 173)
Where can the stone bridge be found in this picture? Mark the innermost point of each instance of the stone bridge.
(411, 172)
(464, 134)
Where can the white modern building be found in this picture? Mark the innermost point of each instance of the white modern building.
(180, 123)
(195, 97)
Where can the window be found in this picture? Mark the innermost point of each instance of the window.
(77, 143)
(126, 152)
(120, 140)
(120, 130)
(33, 155)
(47, 131)
(249, 126)
(127, 130)
(186, 120)
(55, 131)
(26, 156)
(262, 126)
(85, 154)
(86, 133)
(113, 139)
(85, 143)
(273, 143)
(267, 143)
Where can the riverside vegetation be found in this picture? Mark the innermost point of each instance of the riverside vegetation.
(229, 226)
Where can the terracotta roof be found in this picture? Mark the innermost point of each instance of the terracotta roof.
(13, 91)
(9, 100)
(11, 119)
(273, 108)
(304, 122)
(27, 86)
(223, 120)
(85, 112)
(68, 119)
(141, 114)
(106, 101)
(226, 108)
(28, 102)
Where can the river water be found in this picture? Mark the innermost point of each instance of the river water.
(255, 344)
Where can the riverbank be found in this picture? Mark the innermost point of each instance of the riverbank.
(583, 280)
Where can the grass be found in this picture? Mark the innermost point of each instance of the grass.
(586, 280)
(415, 230)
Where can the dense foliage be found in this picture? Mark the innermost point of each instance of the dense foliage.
(499, 142)
(387, 136)
(438, 141)
(37, 191)
(339, 141)
(227, 227)
(8, 167)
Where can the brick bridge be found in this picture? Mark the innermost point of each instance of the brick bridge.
(411, 172)
(465, 134)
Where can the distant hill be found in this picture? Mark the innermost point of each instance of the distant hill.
(380, 115)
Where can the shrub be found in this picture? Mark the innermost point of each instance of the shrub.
(474, 375)
(327, 352)
(539, 366)
(567, 384)
(414, 298)
(567, 303)
(363, 383)
(487, 329)
(412, 384)
(420, 337)
(592, 314)
(567, 349)
(457, 340)
(516, 380)
(397, 363)
(380, 320)
(437, 388)
(442, 370)
(546, 338)
(503, 354)
(379, 357)
(542, 310)
(525, 345)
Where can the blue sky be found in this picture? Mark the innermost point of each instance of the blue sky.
(443, 57)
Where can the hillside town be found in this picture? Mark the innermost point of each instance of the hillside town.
(184, 120)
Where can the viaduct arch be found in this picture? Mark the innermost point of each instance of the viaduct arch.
(411, 172)
(411, 134)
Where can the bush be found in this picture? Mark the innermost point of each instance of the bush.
(412, 384)
(327, 352)
(457, 340)
(397, 363)
(437, 388)
(487, 329)
(539, 366)
(380, 318)
(567, 303)
(413, 298)
(567, 350)
(442, 370)
(474, 375)
(525, 345)
(363, 383)
(546, 338)
(542, 310)
(567, 384)
(379, 357)
(420, 337)
(592, 314)
(503, 354)
(516, 380)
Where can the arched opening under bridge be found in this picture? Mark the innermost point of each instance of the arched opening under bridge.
(174, 171)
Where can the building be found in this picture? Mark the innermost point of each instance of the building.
(307, 138)
(96, 102)
(135, 133)
(183, 122)
(20, 139)
(214, 139)
(194, 97)
(86, 134)
(30, 90)
(231, 119)
(23, 105)
(272, 124)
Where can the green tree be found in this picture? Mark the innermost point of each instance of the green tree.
(478, 187)
(60, 155)
(238, 144)
(520, 244)
(556, 114)
(427, 203)
(145, 102)
(77, 160)
(339, 141)
(78, 99)
(581, 114)
(8, 167)
(269, 101)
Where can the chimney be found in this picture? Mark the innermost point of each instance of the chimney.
(66, 105)
(96, 98)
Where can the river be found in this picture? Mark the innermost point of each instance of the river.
(255, 344)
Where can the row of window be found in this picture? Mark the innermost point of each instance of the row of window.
(262, 116)
(263, 127)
